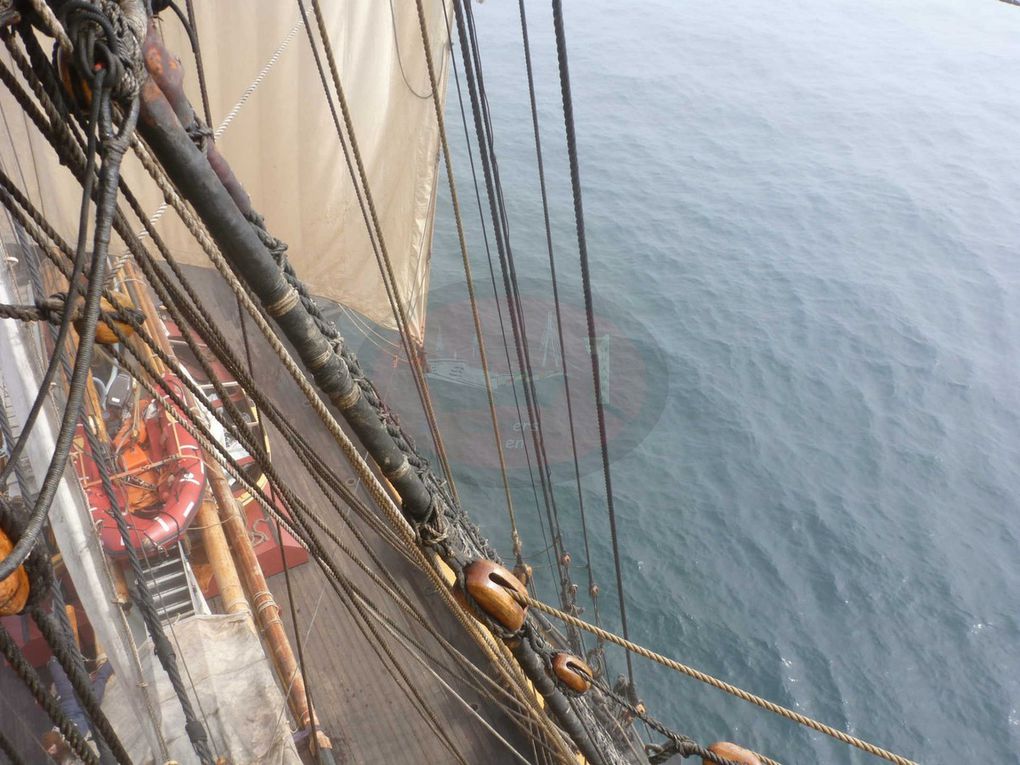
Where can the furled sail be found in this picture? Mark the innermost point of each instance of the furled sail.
(273, 123)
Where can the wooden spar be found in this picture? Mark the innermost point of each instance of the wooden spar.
(217, 550)
(267, 612)
(134, 284)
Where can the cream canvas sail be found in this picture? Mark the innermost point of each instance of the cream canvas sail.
(275, 128)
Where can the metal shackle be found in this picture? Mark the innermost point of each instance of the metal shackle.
(572, 672)
(490, 587)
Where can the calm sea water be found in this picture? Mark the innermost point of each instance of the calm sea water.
(811, 210)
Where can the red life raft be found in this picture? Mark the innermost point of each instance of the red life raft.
(158, 478)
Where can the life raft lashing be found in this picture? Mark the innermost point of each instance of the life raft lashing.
(157, 473)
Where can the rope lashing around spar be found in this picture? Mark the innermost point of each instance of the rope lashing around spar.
(51, 310)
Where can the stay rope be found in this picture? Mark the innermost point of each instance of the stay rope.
(475, 316)
(582, 246)
(540, 163)
(496, 301)
(500, 226)
(715, 682)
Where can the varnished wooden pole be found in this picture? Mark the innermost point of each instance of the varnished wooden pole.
(267, 612)
(222, 563)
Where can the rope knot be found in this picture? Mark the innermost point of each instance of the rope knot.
(107, 35)
(277, 247)
(200, 134)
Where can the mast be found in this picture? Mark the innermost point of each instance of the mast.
(267, 612)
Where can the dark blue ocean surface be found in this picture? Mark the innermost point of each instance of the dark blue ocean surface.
(808, 215)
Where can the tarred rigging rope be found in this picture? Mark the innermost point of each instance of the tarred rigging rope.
(582, 246)
(501, 235)
(495, 295)
(592, 589)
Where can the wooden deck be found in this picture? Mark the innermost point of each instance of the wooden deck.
(360, 700)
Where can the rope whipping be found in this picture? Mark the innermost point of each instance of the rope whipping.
(582, 246)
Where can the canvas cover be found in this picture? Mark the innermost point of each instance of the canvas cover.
(232, 690)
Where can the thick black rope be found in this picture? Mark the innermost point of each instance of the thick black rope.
(34, 528)
(83, 360)
(592, 588)
(64, 635)
(582, 245)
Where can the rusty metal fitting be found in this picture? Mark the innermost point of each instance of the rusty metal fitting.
(490, 587)
(594, 591)
(572, 672)
(565, 559)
